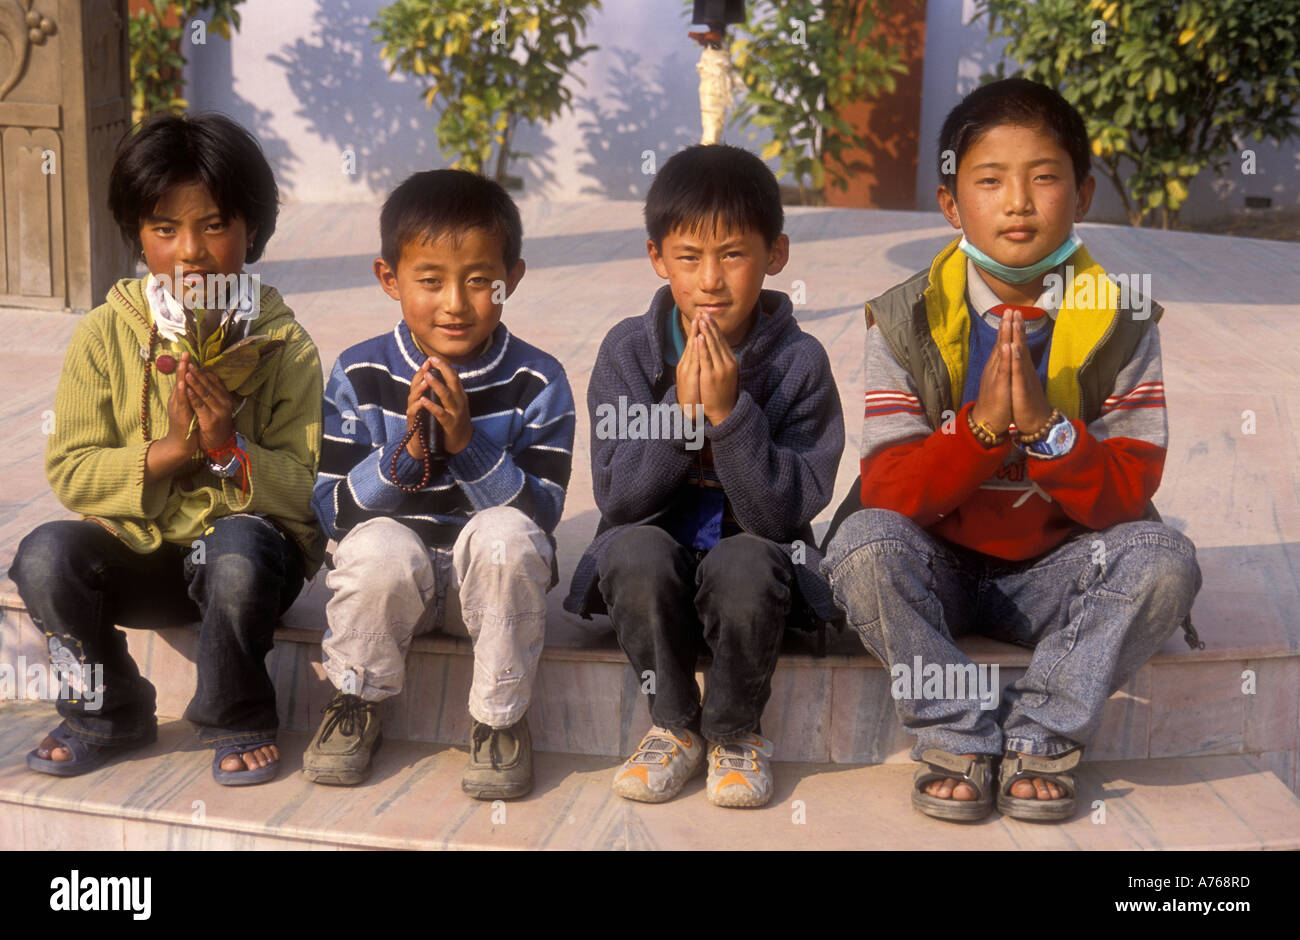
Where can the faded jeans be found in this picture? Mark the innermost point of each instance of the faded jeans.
(79, 580)
(389, 588)
(1094, 609)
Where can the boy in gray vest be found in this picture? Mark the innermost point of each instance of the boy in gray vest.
(1014, 432)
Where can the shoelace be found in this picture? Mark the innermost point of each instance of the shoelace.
(654, 750)
(732, 757)
(345, 714)
(492, 737)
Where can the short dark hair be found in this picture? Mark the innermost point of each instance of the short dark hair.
(1017, 101)
(169, 150)
(710, 183)
(433, 203)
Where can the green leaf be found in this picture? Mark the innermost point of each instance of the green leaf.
(1153, 83)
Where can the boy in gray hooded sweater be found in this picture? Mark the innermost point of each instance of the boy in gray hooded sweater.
(716, 434)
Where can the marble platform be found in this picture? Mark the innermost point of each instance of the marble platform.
(1229, 339)
(829, 709)
(166, 799)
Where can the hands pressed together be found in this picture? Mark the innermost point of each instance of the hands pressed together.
(198, 394)
(708, 374)
(449, 406)
(1010, 391)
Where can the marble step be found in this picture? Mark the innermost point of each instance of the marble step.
(165, 798)
(834, 708)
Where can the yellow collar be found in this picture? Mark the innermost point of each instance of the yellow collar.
(1083, 320)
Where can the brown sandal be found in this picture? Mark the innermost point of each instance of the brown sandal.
(940, 765)
(1052, 769)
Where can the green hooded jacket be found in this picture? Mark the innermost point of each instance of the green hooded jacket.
(95, 457)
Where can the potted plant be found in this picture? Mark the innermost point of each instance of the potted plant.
(157, 63)
(802, 61)
(488, 65)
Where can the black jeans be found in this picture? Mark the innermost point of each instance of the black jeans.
(668, 601)
(79, 580)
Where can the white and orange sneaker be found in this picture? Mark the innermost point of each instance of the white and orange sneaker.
(660, 766)
(739, 773)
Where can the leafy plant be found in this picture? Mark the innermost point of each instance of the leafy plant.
(157, 64)
(234, 364)
(802, 61)
(1171, 90)
(491, 65)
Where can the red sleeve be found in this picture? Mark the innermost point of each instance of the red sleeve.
(1102, 483)
(929, 478)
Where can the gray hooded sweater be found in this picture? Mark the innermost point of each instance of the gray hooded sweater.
(776, 454)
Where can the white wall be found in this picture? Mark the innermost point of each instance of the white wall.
(307, 79)
(305, 76)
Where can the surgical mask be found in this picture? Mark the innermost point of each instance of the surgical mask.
(1012, 275)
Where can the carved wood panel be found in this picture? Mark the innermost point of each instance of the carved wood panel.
(64, 104)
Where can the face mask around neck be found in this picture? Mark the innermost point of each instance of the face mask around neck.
(1023, 275)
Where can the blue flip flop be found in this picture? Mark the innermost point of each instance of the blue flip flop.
(242, 778)
(85, 756)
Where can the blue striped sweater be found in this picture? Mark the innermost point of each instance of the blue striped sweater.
(520, 454)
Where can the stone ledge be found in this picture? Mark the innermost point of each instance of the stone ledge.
(413, 801)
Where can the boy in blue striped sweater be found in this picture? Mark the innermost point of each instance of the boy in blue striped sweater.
(447, 449)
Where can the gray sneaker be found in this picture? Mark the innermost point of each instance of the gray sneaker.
(740, 774)
(500, 761)
(660, 765)
(345, 742)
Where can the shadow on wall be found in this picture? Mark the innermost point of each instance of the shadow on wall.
(348, 98)
(647, 108)
(534, 164)
(211, 87)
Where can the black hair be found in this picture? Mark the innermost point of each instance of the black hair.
(710, 183)
(433, 203)
(168, 150)
(1017, 101)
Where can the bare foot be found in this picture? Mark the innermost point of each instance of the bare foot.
(1031, 788)
(251, 760)
(50, 749)
(952, 789)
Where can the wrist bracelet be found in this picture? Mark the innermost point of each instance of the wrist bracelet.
(224, 460)
(234, 453)
(1042, 432)
(982, 434)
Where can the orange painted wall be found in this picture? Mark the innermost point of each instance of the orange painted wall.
(892, 124)
(136, 6)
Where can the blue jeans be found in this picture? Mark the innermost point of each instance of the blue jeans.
(79, 581)
(667, 602)
(1093, 609)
